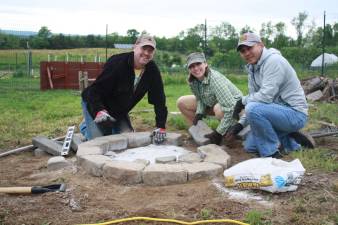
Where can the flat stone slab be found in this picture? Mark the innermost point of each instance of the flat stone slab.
(166, 159)
(164, 174)
(199, 131)
(215, 154)
(203, 170)
(190, 158)
(137, 139)
(123, 172)
(47, 145)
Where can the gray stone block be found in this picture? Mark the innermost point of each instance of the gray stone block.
(199, 131)
(174, 139)
(214, 154)
(164, 174)
(137, 139)
(58, 162)
(190, 158)
(243, 133)
(123, 172)
(115, 142)
(166, 159)
(40, 153)
(84, 149)
(47, 145)
(93, 164)
(76, 141)
(202, 170)
(101, 145)
(315, 96)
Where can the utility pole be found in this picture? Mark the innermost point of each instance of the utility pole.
(106, 42)
(323, 47)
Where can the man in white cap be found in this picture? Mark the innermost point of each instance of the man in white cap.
(276, 107)
(125, 79)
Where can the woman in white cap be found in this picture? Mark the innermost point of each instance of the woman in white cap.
(213, 94)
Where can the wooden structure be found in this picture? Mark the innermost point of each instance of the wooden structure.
(68, 75)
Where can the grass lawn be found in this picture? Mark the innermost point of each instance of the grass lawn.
(27, 112)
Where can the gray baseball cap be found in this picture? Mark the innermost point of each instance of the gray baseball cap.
(248, 39)
(195, 57)
(146, 39)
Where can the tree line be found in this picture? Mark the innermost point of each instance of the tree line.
(219, 45)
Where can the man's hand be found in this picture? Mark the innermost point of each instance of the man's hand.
(197, 118)
(215, 137)
(233, 131)
(159, 135)
(103, 116)
(237, 109)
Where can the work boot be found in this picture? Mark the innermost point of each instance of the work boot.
(276, 155)
(303, 139)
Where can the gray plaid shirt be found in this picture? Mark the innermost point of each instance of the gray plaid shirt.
(216, 88)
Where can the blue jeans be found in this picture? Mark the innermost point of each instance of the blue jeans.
(271, 125)
(91, 130)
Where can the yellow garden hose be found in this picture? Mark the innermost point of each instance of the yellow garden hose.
(169, 221)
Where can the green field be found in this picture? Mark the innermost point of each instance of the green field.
(27, 112)
(15, 60)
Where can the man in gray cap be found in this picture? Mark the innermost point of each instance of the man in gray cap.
(276, 107)
(125, 79)
(213, 93)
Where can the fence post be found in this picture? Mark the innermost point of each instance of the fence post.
(85, 79)
(16, 62)
(81, 86)
(29, 63)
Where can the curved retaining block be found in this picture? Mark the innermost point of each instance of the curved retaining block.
(209, 161)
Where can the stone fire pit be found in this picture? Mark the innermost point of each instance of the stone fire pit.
(99, 157)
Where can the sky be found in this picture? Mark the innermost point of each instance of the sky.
(158, 17)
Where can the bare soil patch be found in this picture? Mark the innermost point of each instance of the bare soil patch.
(91, 199)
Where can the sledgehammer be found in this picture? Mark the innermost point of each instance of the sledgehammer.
(34, 190)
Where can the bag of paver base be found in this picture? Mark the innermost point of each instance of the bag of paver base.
(268, 174)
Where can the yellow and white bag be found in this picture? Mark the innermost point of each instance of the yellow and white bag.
(268, 174)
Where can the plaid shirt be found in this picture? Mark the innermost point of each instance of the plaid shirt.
(216, 88)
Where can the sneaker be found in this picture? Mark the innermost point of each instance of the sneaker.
(303, 139)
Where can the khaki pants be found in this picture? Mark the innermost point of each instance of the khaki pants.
(187, 105)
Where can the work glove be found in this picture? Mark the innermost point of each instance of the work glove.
(102, 117)
(237, 109)
(233, 130)
(159, 135)
(215, 137)
(198, 117)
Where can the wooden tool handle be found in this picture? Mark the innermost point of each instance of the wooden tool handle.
(16, 190)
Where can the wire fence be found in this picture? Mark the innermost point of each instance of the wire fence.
(26, 63)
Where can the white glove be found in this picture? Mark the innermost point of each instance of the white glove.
(159, 135)
(103, 116)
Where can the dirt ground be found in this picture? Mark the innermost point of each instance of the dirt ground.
(95, 199)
